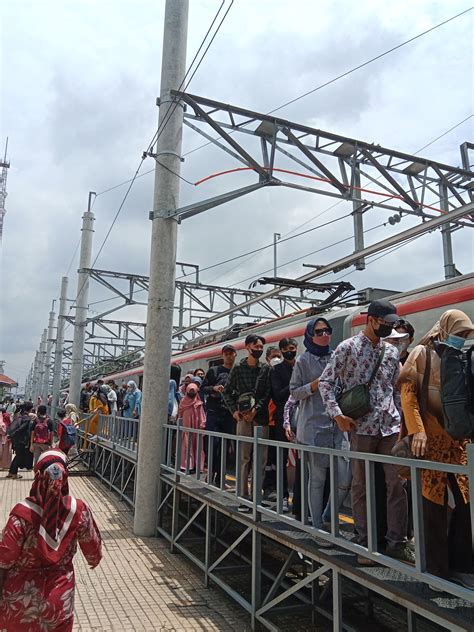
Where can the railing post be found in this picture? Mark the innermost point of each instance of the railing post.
(257, 471)
(470, 473)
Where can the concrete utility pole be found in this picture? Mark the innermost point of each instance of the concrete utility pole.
(48, 361)
(58, 350)
(82, 297)
(162, 270)
(34, 380)
(41, 364)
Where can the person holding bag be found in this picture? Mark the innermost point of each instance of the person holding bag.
(359, 391)
(446, 515)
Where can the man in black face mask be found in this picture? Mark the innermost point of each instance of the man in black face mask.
(280, 377)
(355, 361)
(249, 376)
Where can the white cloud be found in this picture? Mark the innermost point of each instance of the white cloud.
(79, 81)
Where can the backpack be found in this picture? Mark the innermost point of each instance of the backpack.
(457, 391)
(19, 431)
(41, 432)
(69, 436)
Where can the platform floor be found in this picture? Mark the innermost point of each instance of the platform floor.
(139, 585)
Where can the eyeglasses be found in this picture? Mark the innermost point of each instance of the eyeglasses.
(322, 332)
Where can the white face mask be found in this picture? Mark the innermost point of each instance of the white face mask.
(275, 361)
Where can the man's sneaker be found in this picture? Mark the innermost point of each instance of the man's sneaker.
(323, 544)
(285, 507)
(244, 509)
(326, 526)
(402, 552)
(465, 579)
(365, 561)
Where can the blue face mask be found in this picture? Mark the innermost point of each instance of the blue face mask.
(455, 341)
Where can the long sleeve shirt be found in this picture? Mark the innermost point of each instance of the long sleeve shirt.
(280, 376)
(351, 364)
(244, 378)
(314, 427)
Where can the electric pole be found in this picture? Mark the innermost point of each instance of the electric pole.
(162, 270)
(82, 297)
(58, 349)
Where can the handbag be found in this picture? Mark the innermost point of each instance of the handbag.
(355, 402)
(402, 448)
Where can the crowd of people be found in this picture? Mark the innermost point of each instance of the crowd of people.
(303, 397)
(27, 431)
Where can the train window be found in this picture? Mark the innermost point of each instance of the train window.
(215, 362)
(140, 382)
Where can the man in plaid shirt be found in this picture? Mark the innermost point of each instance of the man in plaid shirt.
(249, 377)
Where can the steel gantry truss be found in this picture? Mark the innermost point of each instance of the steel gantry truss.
(112, 345)
(366, 174)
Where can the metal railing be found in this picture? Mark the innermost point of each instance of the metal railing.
(177, 464)
(116, 442)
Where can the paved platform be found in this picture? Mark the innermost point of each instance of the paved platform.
(139, 585)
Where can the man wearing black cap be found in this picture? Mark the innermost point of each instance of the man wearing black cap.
(249, 378)
(354, 362)
(218, 418)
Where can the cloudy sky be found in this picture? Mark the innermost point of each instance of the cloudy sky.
(79, 83)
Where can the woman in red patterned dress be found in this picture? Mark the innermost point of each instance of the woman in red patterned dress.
(37, 548)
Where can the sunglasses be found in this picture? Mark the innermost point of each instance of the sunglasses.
(322, 332)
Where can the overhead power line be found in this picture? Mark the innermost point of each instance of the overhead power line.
(162, 126)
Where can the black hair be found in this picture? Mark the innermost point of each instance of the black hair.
(27, 406)
(61, 413)
(269, 351)
(41, 410)
(175, 373)
(286, 342)
(406, 325)
(252, 338)
(198, 369)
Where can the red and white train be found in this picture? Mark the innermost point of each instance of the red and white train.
(421, 307)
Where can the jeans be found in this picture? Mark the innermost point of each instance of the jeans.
(217, 421)
(316, 482)
(23, 458)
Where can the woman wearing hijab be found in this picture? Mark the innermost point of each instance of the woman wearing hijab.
(315, 427)
(132, 402)
(96, 407)
(37, 548)
(73, 413)
(448, 541)
(191, 412)
(5, 443)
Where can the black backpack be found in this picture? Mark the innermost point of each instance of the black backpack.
(457, 391)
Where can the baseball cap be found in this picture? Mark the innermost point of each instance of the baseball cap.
(228, 348)
(383, 309)
(245, 403)
(251, 338)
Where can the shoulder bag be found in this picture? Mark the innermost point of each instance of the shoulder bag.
(355, 402)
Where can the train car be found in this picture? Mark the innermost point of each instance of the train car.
(422, 307)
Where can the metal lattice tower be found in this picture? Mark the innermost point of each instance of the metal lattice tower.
(4, 165)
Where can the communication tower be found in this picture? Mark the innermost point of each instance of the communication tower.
(4, 166)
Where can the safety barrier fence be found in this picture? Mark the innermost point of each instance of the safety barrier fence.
(187, 488)
(183, 443)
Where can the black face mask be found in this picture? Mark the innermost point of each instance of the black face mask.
(289, 355)
(192, 395)
(383, 331)
(256, 353)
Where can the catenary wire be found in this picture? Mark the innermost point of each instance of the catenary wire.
(348, 72)
(157, 134)
(191, 151)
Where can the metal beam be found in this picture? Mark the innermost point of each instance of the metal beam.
(348, 260)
